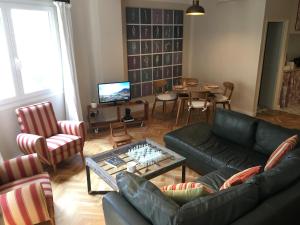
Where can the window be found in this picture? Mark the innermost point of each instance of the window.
(29, 51)
(7, 89)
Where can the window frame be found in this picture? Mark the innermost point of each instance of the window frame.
(20, 97)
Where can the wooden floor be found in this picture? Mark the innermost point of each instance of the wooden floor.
(73, 205)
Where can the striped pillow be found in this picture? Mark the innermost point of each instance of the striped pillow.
(240, 177)
(185, 192)
(282, 149)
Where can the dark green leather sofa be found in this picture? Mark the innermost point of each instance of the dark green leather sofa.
(234, 142)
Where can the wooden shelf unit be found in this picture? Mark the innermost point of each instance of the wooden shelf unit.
(95, 122)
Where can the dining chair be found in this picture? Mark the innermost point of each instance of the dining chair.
(183, 97)
(225, 98)
(198, 100)
(161, 95)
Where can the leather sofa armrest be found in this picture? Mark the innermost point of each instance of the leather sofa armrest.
(118, 211)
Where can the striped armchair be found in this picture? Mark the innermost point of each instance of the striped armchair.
(52, 140)
(25, 192)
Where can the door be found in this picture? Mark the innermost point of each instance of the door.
(274, 41)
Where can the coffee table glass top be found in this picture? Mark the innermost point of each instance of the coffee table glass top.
(151, 158)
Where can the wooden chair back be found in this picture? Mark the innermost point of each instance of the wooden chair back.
(159, 86)
(199, 96)
(229, 87)
(189, 82)
(118, 129)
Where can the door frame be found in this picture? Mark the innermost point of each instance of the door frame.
(283, 50)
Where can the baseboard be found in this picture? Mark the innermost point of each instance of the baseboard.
(249, 113)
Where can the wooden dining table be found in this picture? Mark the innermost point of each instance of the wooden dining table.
(184, 91)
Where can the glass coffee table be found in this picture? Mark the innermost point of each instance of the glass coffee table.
(151, 160)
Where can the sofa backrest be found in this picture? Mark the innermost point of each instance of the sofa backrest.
(236, 127)
(269, 136)
(221, 208)
(282, 176)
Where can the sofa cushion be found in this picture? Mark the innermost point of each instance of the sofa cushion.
(240, 177)
(186, 192)
(185, 140)
(221, 208)
(43, 179)
(279, 153)
(206, 152)
(269, 137)
(223, 153)
(234, 126)
(147, 199)
(286, 172)
(216, 178)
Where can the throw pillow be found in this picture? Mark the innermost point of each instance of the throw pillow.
(240, 177)
(185, 192)
(282, 149)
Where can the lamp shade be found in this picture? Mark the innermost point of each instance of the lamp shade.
(195, 9)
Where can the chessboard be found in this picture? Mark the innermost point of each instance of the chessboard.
(145, 154)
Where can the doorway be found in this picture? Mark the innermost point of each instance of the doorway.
(273, 60)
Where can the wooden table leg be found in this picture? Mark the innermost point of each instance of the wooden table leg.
(183, 174)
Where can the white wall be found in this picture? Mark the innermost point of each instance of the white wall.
(226, 47)
(98, 44)
(10, 128)
(293, 50)
(282, 10)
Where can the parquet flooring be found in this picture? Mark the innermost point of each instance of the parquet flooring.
(73, 205)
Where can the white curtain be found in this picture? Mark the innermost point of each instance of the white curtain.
(71, 91)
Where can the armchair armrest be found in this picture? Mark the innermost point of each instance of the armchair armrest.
(30, 143)
(20, 167)
(76, 128)
(26, 205)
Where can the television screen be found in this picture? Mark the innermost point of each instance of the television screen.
(114, 92)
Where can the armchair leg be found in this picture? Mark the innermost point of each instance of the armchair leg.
(82, 157)
(54, 168)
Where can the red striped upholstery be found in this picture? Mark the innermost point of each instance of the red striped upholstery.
(25, 205)
(72, 128)
(31, 143)
(25, 193)
(38, 119)
(62, 146)
(52, 140)
(282, 149)
(20, 167)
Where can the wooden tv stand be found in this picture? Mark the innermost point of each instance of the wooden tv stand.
(94, 115)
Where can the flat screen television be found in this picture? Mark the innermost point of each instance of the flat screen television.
(114, 92)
